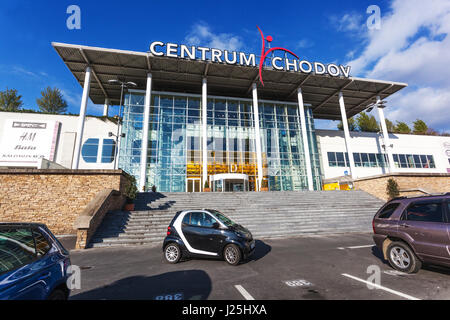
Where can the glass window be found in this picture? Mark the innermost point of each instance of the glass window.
(403, 163)
(417, 162)
(387, 211)
(202, 219)
(357, 158)
(373, 159)
(187, 219)
(16, 248)
(431, 162)
(340, 159)
(108, 151)
(365, 159)
(425, 212)
(42, 245)
(332, 159)
(89, 151)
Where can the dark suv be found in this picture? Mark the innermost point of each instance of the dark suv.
(207, 233)
(412, 231)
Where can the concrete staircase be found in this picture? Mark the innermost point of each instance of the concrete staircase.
(266, 214)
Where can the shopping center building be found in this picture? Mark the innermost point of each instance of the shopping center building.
(238, 121)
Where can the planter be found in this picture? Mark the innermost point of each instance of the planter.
(129, 207)
(264, 189)
(206, 190)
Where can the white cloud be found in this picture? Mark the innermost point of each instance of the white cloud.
(201, 34)
(428, 104)
(412, 46)
(349, 22)
(304, 44)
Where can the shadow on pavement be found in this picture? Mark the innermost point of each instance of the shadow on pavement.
(379, 254)
(184, 285)
(261, 250)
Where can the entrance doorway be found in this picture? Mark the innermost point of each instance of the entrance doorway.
(193, 185)
(230, 182)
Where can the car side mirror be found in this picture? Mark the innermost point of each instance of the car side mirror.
(216, 225)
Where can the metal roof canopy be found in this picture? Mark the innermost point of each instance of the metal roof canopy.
(183, 75)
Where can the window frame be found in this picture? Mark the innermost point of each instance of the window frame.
(35, 258)
(430, 201)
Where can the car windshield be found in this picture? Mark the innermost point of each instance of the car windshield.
(224, 219)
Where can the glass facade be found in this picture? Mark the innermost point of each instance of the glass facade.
(174, 156)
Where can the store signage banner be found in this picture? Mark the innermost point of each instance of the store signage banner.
(24, 143)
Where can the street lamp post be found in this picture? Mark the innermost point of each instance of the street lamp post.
(387, 146)
(123, 85)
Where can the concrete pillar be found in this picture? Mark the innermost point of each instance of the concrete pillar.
(82, 118)
(387, 142)
(347, 136)
(308, 163)
(144, 141)
(257, 136)
(204, 132)
(106, 108)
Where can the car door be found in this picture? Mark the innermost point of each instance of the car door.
(425, 223)
(199, 231)
(18, 264)
(192, 229)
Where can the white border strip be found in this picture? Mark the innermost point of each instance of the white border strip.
(357, 247)
(244, 292)
(381, 287)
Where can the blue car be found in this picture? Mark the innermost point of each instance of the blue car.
(33, 263)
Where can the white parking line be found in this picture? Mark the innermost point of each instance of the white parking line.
(357, 247)
(244, 292)
(381, 287)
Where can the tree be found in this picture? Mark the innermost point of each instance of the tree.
(10, 100)
(390, 126)
(52, 101)
(367, 123)
(420, 127)
(392, 189)
(351, 125)
(402, 127)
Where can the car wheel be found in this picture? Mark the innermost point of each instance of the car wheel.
(402, 258)
(57, 295)
(232, 254)
(172, 253)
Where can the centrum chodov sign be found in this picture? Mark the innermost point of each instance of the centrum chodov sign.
(290, 61)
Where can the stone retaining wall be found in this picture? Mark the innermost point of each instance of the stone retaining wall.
(409, 182)
(53, 197)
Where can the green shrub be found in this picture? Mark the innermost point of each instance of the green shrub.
(392, 189)
(131, 190)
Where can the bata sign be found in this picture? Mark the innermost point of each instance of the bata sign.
(290, 61)
(24, 143)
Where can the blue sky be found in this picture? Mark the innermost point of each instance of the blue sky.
(327, 31)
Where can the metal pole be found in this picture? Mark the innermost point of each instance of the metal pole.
(119, 126)
(204, 131)
(386, 139)
(82, 118)
(144, 144)
(305, 140)
(257, 137)
(347, 136)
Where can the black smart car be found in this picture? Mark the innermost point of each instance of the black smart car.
(207, 233)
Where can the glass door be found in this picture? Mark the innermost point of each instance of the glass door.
(193, 185)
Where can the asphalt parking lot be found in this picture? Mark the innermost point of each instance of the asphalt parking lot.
(313, 267)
